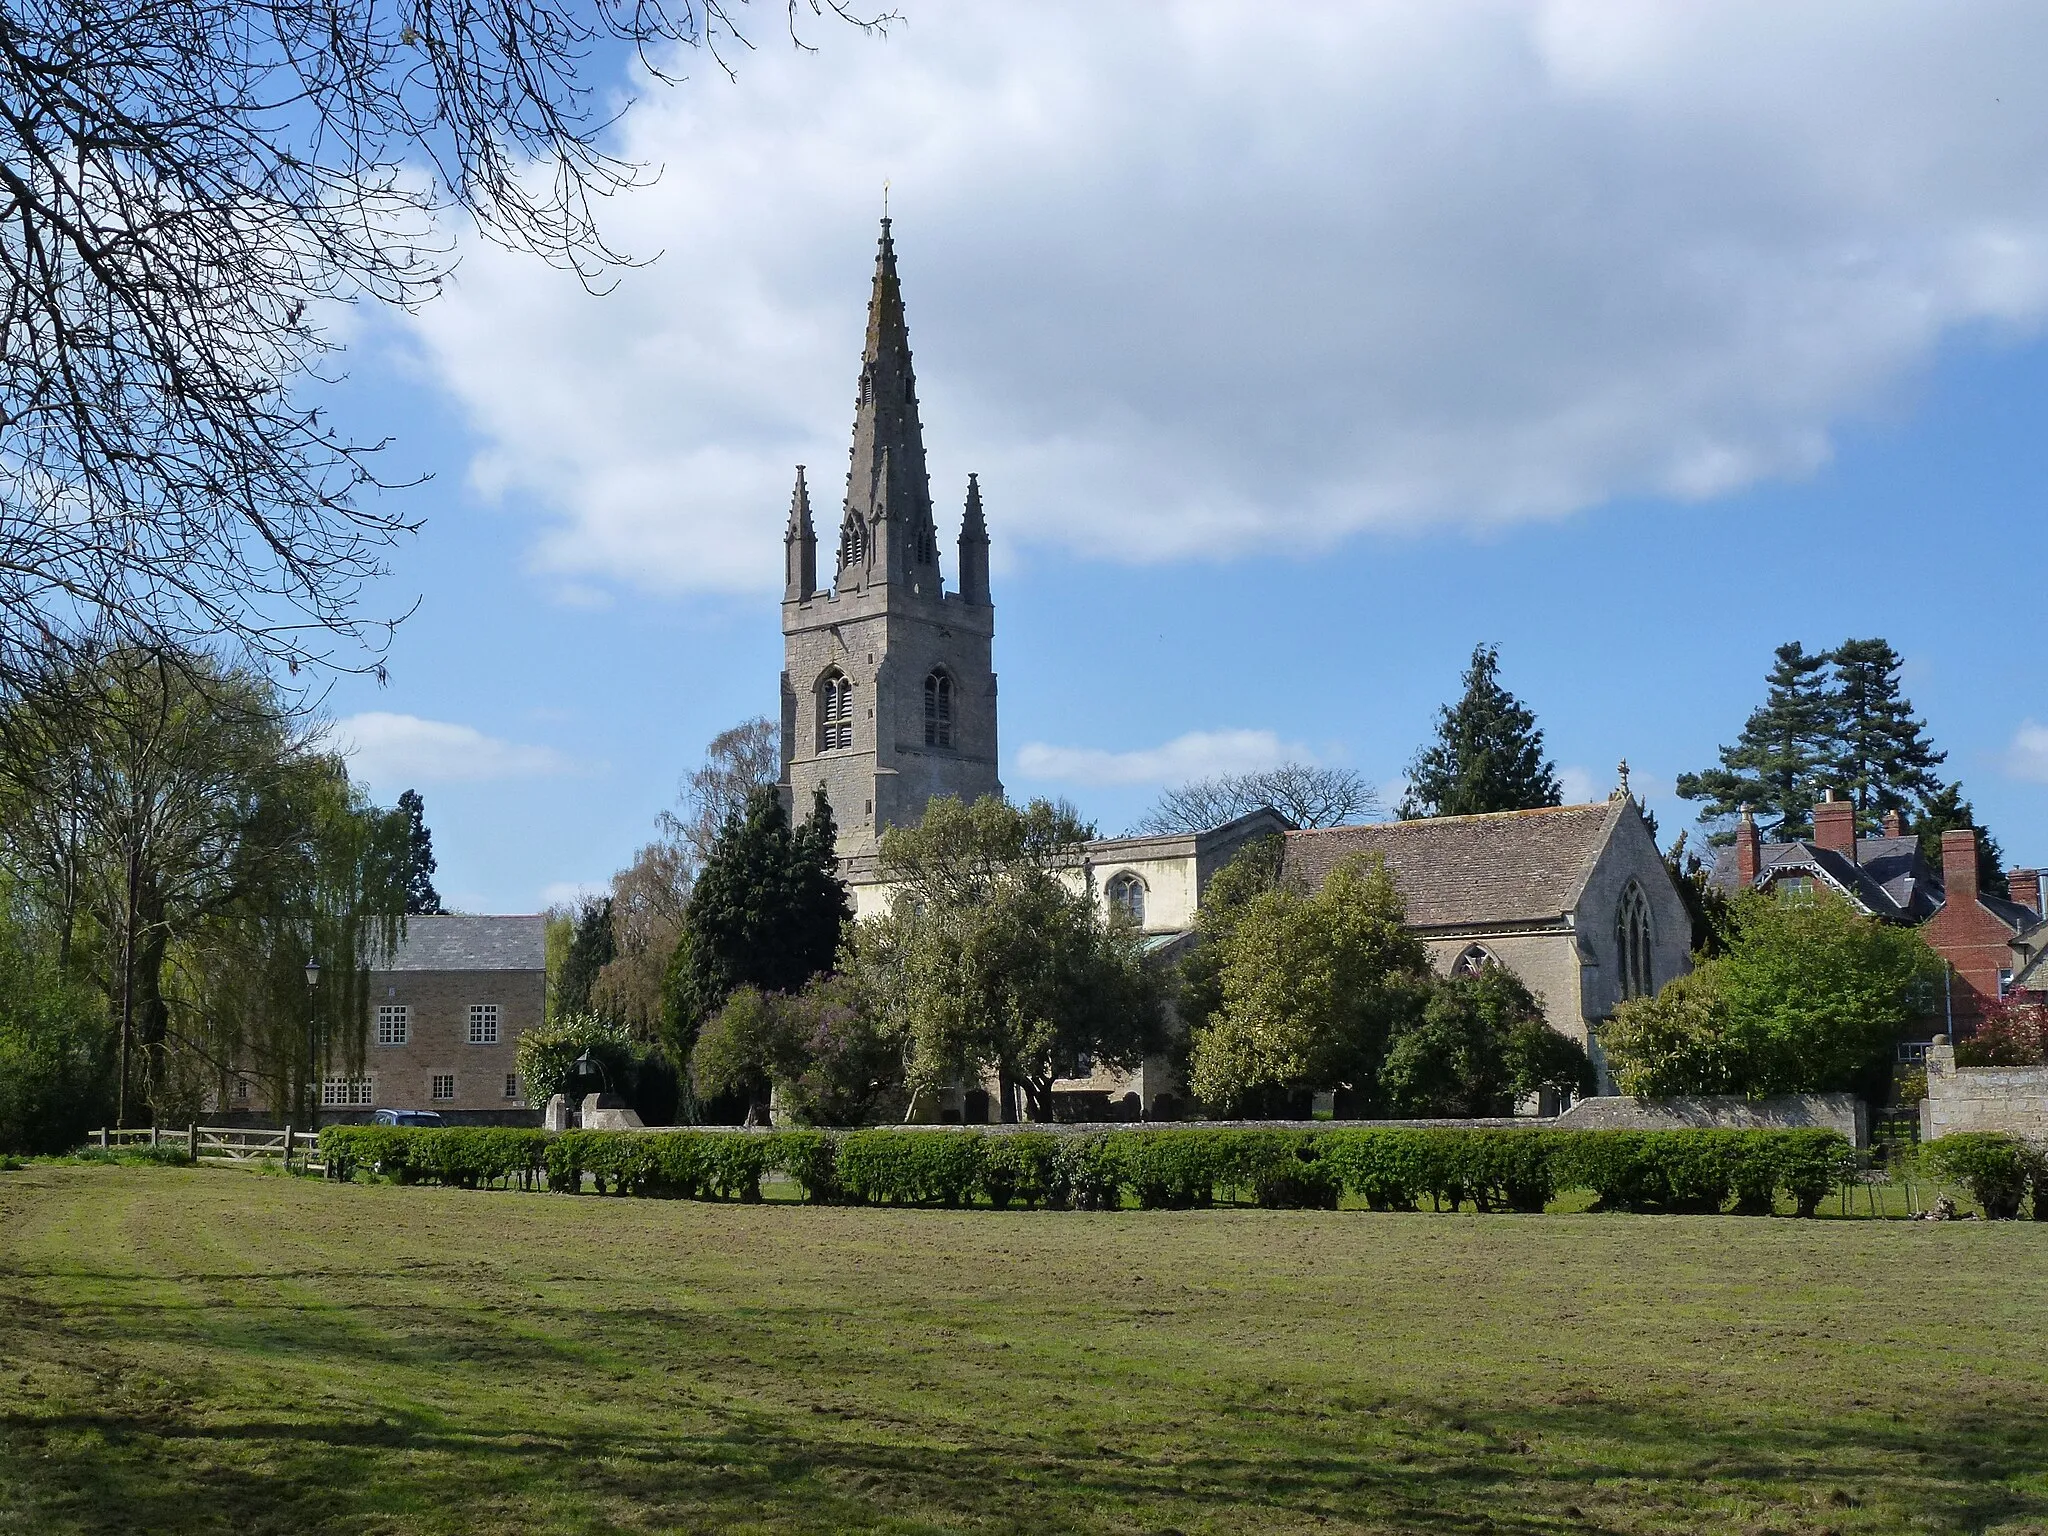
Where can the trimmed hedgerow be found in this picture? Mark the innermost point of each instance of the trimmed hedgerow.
(1995, 1168)
(1388, 1168)
(466, 1157)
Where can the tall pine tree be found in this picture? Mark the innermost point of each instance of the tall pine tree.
(1883, 760)
(592, 947)
(421, 899)
(767, 911)
(1488, 754)
(1785, 755)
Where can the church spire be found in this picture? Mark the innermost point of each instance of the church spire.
(800, 545)
(973, 547)
(887, 486)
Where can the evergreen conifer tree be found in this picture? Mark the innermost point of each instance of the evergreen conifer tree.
(592, 947)
(1784, 757)
(768, 910)
(421, 899)
(1488, 754)
(1944, 811)
(1883, 760)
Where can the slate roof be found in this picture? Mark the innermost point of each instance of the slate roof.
(472, 944)
(1890, 878)
(1469, 871)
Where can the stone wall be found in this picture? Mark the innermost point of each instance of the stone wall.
(2010, 1099)
(1728, 1112)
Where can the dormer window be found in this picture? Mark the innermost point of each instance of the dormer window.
(835, 712)
(938, 709)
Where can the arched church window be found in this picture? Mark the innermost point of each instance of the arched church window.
(1632, 943)
(1127, 898)
(835, 712)
(938, 710)
(853, 541)
(1476, 958)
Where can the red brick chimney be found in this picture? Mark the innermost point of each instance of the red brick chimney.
(1746, 853)
(1894, 824)
(1959, 865)
(2025, 885)
(1834, 825)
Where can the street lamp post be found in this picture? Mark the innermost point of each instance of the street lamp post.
(312, 1024)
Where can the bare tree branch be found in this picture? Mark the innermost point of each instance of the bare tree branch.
(1306, 796)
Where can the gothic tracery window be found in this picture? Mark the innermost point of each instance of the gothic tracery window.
(835, 712)
(853, 541)
(1476, 958)
(1632, 943)
(1127, 898)
(938, 710)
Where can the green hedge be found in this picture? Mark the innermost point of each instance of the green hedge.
(1995, 1168)
(1161, 1168)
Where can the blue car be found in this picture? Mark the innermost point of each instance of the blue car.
(405, 1117)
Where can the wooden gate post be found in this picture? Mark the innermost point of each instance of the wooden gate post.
(192, 1143)
(287, 1146)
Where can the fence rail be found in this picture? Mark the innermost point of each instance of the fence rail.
(223, 1144)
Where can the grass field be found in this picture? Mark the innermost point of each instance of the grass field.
(221, 1350)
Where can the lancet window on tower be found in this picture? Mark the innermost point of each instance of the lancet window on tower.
(835, 712)
(853, 541)
(1632, 943)
(938, 709)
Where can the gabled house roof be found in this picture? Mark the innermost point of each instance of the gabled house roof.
(471, 944)
(1505, 868)
(1889, 879)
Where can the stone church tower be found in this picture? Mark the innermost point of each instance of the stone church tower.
(888, 687)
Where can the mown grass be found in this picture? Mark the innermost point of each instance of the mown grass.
(202, 1350)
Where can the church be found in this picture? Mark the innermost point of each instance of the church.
(889, 699)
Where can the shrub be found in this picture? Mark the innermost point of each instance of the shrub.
(1086, 1175)
(1020, 1165)
(911, 1167)
(1170, 1170)
(462, 1157)
(1994, 1167)
(56, 1053)
(547, 1055)
(811, 1159)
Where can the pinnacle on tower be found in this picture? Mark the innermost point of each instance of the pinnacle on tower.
(973, 547)
(887, 469)
(800, 545)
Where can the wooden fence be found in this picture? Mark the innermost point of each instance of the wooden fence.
(224, 1144)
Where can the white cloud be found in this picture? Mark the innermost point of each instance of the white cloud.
(396, 752)
(1580, 786)
(1197, 755)
(1184, 281)
(2027, 758)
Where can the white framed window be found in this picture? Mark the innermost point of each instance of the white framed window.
(511, 1085)
(394, 1024)
(483, 1023)
(1127, 898)
(348, 1093)
(2004, 984)
(444, 1085)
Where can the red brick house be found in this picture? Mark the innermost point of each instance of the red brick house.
(1987, 940)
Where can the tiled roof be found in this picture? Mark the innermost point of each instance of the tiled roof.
(472, 944)
(1513, 866)
(1891, 880)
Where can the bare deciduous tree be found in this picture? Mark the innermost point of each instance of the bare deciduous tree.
(738, 762)
(187, 188)
(1305, 795)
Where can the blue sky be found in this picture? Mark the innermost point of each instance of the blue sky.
(1293, 364)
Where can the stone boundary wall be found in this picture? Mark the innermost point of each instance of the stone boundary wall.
(2009, 1099)
(1842, 1112)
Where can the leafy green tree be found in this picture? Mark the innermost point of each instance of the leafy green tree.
(421, 899)
(995, 962)
(56, 1047)
(1311, 986)
(1809, 997)
(1488, 753)
(1475, 1046)
(768, 910)
(743, 1048)
(1785, 755)
(547, 1056)
(1676, 1043)
(1945, 811)
(823, 1050)
(1881, 758)
(592, 946)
